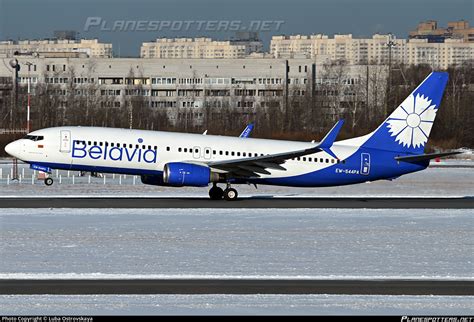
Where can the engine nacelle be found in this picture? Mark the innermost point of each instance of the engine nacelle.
(187, 174)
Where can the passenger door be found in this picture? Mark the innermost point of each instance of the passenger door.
(207, 153)
(365, 164)
(65, 144)
(196, 152)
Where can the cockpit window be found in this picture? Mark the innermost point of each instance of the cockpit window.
(34, 137)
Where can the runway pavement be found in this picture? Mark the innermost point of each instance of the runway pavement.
(250, 202)
(237, 286)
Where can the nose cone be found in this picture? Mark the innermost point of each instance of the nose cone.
(13, 149)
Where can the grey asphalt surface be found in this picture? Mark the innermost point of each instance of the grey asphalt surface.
(251, 202)
(244, 286)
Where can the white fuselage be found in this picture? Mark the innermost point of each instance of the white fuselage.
(144, 152)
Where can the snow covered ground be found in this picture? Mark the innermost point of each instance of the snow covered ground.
(233, 243)
(432, 182)
(333, 243)
(234, 304)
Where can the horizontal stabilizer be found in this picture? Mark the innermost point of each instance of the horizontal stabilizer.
(424, 157)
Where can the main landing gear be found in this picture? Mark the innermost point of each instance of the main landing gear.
(217, 193)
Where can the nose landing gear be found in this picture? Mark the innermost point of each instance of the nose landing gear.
(48, 181)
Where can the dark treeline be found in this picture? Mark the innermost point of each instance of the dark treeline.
(304, 114)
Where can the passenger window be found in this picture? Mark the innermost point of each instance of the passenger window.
(100, 143)
(304, 158)
(321, 160)
(137, 146)
(155, 148)
(310, 159)
(196, 150)
(220, 152)
(332, 160)
(226, 152)
(179, 149)
(149, 147)
(143, 147)
(168, 148)
(208, 151)
(232, 153)
(238, 154)
(214, 152)
(327, 160)
(185, 149)
(89, 142)
(111, 144)
(244, 154)
(130, 146)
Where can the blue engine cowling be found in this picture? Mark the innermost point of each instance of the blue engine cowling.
(186, 174)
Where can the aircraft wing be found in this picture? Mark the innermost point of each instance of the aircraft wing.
(253, 167)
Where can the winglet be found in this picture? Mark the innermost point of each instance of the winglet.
(327, 142)
(246, 132)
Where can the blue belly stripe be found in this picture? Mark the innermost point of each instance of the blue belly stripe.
(89, 168)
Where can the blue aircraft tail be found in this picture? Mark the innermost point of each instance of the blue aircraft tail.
(408, 128)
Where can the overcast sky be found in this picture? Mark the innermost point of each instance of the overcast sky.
(23, 19)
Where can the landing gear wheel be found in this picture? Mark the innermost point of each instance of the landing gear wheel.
(230, 194)
(216, 193)
(48, 181)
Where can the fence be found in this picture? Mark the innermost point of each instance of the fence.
(29, 176)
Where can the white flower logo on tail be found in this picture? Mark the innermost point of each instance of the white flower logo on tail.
(411, 122)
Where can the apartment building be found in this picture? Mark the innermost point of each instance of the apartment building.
(177, 85)
(89, 47)
(189, 48)
(374, 50)
(455, 29)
